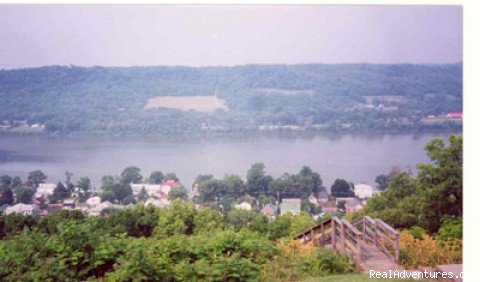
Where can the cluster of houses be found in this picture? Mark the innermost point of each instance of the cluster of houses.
(5, 124)
(322, 199)
(156, 194)
(436, 119)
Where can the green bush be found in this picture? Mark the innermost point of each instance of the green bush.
(451, 228)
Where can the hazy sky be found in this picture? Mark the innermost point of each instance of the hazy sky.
(227, 35)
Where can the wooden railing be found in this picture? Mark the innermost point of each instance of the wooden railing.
(381, 235)
(342, 235)
(351, 237)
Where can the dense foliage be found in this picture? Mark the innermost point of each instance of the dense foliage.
(259, 189)
(428, 251)
(433, 199)
(150, 244)
(313, 96)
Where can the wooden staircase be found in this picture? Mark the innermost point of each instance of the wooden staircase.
(371, 242)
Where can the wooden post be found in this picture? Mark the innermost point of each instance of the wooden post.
(364, 229)
(323, 236)
(312, 236)
(376, 236)
(342, 236)
(397, 248)
(333, 235)
(359, 249)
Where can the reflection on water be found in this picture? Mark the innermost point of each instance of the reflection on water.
(356, 158)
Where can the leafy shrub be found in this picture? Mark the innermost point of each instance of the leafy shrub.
(302, 261)
(451, 228)
(428, 251)
(74, 252)
(417, 232)
(14, 223)
(223, 256)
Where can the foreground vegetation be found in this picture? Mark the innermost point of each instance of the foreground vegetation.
(312, 97)
(150, 244)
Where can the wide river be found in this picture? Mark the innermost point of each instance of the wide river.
(356, 158)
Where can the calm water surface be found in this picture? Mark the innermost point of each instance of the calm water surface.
(355, 158)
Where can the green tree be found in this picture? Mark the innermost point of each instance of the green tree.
(341, 189)
(36, 177)
(435, 193)
(442, 180)
(68, 177)
(5, 181)
(6, 196)
(131, 175)
(108, 195)
(207, 221)
(121, 191)
(59, 193)
(257, 180)
(171, 176)
(176, 219)
(452, 227)
(143, 195)
(300, 223)
(24, 194)
(156, 177)
(234, 186)
(280, 185)
(14, 223)
(16, 182)
(238, 219)
(178, 192)
(211, 189)
(382, 182)
(128, 200)
(84, 184)
(138, 221)
(49, 223)
(280, 227)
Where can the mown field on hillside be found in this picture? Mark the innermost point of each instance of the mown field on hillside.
(204, 104)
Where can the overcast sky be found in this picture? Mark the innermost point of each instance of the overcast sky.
(227, 35)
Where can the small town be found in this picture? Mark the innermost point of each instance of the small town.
(91, 203)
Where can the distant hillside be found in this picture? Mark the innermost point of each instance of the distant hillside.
(315, 97)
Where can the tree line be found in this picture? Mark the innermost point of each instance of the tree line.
(111, 100)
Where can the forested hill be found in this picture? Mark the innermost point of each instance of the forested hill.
(312, 97)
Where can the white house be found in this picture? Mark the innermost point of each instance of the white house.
(290, 207)
(45, 189)
(151, 189)
(69, 204)
(96, 210)
(294, 201)
(363, 190)
(93, 201)
(22, 209)
(353, 206)
(243, 206)
(166, 189)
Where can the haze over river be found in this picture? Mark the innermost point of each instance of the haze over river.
(356, 158)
